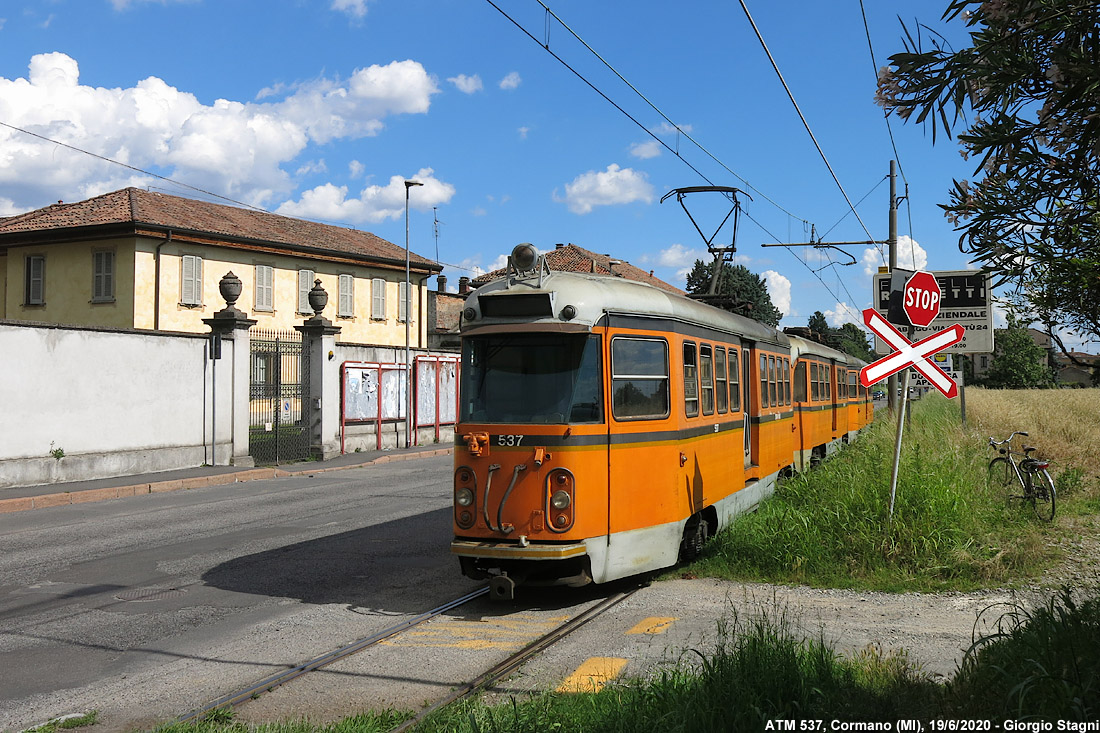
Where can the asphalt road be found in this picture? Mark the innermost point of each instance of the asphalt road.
(144, 608)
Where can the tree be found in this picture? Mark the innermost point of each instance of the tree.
(1027, 90)
(851, 339)
(739, 291)
(818, 324)
(1019, 363)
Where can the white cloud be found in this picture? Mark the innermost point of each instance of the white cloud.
(373, 204)
(355, 8)
(779, 289)
(238, 148)
(606, 188)
(678, 256)
(311, 167)
(123, 4)
(911, 256)
(666, 129)
(843, 313)
(356, 169)
(649, 149)
(511, 81)
(523, 132)
(466, 84)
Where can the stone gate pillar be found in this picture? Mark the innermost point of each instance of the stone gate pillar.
(322, 386)
(231, 325)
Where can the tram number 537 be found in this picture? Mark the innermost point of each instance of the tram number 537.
(512, 441)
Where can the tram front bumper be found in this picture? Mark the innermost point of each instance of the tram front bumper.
(515, 551)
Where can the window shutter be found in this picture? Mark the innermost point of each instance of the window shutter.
(305, 283)
(187, 280)
(265, 286)
(402, 301)
(378, 298)
(347, 295)
(36, 280)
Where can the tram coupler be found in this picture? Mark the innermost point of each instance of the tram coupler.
(502, 588)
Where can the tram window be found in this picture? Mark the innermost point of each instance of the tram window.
(828, 374)
(735, 381)
(800, 382)
(815, 382)
(691, 381)
(639, 379)
(764, 380)
(706, 378)
(853, 389)
(787, 380)
(721, 393)
(539, 379)
(772, 396)
(841, 384)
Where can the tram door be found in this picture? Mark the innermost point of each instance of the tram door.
(746, 406)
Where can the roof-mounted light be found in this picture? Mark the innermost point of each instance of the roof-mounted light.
(524, 257)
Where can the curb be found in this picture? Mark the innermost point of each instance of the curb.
(27, 503)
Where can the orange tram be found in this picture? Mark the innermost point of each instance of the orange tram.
(607, 428)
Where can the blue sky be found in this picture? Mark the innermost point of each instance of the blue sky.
(321, 109)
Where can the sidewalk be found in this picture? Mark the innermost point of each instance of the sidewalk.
(23, 498)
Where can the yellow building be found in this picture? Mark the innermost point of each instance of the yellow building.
(144, 260)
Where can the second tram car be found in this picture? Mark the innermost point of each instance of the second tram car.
(607, 427)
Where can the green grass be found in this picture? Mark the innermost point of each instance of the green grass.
(832, 526)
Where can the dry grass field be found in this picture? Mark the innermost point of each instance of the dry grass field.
(1064, 424)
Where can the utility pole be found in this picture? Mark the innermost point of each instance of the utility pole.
(892, 245)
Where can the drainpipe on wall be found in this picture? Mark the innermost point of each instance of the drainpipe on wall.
(156, 282)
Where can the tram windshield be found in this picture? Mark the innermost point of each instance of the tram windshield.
(541, 379)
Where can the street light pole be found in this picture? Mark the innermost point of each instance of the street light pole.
(408, 362)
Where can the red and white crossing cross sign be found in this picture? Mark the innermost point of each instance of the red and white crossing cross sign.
(921, 299)
(910, 354)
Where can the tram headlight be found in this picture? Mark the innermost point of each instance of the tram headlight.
(464, 497)
(559, 498)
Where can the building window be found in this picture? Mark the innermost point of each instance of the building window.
(305, 284)
(265, 288)
(191, 280)
(378, 299)
(347, 296)
(34, 280)
(103, 276)
(404, 297)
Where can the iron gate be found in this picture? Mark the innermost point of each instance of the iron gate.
(279, 420)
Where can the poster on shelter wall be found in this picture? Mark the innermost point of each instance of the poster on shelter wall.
(361, 394)
(436, 385)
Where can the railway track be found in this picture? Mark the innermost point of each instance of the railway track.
(483, 681)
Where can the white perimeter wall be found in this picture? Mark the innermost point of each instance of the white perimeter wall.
(116, 402)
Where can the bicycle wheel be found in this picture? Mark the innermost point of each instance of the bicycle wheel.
(999, 476)
(1042, 493)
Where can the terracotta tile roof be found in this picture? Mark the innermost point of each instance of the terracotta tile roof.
(571, 258)
(138, 209)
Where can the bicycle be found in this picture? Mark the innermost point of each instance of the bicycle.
(1030, 473)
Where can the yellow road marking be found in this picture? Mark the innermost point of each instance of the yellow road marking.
(593, 674)
(653, 625)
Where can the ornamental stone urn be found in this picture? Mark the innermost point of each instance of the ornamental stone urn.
(230, 287)
(318, 298)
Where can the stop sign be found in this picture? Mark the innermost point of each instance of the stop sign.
(921, 298)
